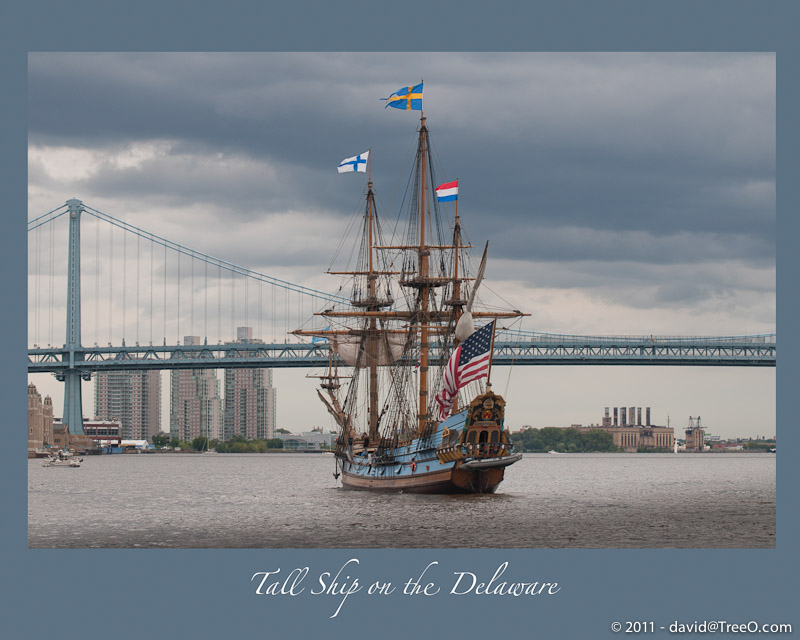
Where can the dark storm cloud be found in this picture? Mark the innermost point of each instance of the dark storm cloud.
(651, 158)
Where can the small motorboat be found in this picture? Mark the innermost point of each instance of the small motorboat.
(62, 459)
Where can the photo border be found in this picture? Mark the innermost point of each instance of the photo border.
(199, 594)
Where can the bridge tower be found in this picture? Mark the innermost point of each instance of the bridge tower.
(73, 407)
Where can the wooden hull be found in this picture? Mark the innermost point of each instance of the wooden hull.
(456, 458)
(444, 481)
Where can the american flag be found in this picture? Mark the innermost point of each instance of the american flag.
(470, 361)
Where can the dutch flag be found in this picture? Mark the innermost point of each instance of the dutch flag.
(447, 191)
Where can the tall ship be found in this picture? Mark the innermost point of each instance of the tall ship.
(408, 379)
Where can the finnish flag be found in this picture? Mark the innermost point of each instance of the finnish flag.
(356, 163)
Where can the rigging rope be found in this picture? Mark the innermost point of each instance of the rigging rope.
(511, 367)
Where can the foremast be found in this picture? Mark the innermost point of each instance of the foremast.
(373, 305)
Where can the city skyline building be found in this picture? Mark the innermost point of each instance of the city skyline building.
(133, 398)
(250, 398)
(40, 419)
(195, 403)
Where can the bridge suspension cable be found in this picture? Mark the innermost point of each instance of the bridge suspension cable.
(44, 219)
(241, 271)
(120, 282)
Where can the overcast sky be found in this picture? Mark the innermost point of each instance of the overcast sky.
(621, 193)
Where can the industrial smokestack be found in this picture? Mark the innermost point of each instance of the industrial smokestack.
(647, 416)
(639, 416)
(616, 414)
(623, 418)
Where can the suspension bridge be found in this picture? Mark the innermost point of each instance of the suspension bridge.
(142, 293)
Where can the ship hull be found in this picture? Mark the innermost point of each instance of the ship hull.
(441, 482)
(442, 462)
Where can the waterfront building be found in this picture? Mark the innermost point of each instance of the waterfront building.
(695, 436)
(40, 419)
(633, 438)
(314, 440)
(131, 397)
(81, 443)
(60, 434)
(195, 406)
(250, 398)
(630, 434)
(103, 432)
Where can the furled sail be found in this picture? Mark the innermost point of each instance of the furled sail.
(352, 351)
(465, 326)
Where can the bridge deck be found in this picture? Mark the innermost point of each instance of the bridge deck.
(518, 349)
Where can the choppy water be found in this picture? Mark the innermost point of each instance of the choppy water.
(292, 501)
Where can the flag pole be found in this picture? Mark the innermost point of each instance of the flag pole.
(491, 357)
(456, 289)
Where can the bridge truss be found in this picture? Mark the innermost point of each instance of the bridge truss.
(518, 348)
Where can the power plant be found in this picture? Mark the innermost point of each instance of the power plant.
(625, 426)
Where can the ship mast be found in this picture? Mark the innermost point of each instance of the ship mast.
(372, 334)
(424, 252)
(456, 281)
(456, 302)
(375, 337)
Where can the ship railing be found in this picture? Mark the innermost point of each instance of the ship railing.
(488, 449)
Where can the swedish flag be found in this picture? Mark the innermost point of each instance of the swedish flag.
(408, 98)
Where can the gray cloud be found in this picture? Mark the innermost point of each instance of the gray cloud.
(570, 159)
(621, 193)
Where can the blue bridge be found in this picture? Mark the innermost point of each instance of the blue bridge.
(128, 307)
(518, 348)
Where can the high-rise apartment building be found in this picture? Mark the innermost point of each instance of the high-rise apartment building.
(249, 398)
(133, 398)
(195, 406)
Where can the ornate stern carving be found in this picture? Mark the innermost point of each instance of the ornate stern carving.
(484, 435)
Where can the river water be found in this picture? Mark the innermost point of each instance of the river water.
(293, 501)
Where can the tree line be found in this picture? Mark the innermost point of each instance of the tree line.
(563, 440)
(237, 444)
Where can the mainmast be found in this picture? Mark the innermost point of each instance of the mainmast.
(424, 252)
